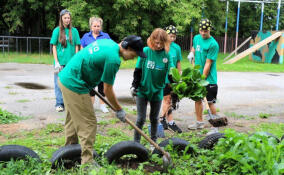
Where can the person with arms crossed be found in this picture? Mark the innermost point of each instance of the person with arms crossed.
(96, 33)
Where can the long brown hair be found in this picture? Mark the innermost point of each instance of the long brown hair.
(161, 35)
(62, 35)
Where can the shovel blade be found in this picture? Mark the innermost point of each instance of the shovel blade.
(217, 122)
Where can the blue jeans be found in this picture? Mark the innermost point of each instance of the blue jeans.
(58, 93)
(155, 106)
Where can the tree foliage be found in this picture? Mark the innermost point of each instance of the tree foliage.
(140, 17)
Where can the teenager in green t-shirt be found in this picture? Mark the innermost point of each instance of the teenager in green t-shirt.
(97, 62)
(150, 79)
(175, 53)
(65, 41)
(204, 53)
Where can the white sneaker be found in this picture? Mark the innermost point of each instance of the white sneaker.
(103, 108)
(59, 109)
(212, 131)
(197, 125)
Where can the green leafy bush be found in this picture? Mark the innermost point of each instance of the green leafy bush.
(190, 83)
(254, 154)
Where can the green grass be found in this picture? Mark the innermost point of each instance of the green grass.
(243, 65)
(8, 117)
(23, 101)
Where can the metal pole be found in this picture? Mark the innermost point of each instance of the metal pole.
(191, 37)
(278, 15)
(8, 46)
(3, 50)
(39, 46)
(261, 19)
(226, 27)
(17, 45)
(237, 30)
(27, 45)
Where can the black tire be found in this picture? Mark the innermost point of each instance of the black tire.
(282, 137)
(209, 141)
(127, 147)
(68, 156)
(16, 152)
(178, 144)
(269, 135)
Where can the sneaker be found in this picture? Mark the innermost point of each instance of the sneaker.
(59, 108)
(164, 122)
(212, 131)
(197, 125)
(103, 108)
(175, 128)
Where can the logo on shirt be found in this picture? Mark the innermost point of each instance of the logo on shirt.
(198, 48)
(165, 60)
(94, 48)
(150, 64)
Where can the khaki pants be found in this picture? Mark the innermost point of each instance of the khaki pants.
(80, 122)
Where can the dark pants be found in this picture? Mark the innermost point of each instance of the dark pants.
(155, 106)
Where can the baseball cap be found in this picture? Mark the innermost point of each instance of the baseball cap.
(135, 43)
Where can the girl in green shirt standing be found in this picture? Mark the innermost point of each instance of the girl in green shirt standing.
(65, 41)
(150, 80)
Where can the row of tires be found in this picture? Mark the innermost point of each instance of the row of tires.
(70, 155)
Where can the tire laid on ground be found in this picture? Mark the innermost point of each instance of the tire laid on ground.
(68, 156)
(209, 141)
(268, 135)
(282, 137)
(8, 152)
(178, 144)
(127, 147)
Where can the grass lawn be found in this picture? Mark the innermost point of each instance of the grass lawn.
(243, 65)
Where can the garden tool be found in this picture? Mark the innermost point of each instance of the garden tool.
(215, 120)
(167, 161)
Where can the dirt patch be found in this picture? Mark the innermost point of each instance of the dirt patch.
(134, 164)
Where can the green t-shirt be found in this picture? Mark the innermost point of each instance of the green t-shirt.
(206, 49)
(155, 70)
(97, 62)
(175, 54)
(65, 54)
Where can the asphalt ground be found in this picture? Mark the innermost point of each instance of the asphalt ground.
(241, 93)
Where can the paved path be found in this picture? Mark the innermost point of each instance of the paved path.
(242, 93)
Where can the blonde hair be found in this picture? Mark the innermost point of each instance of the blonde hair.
(161, 35)
(95, 19)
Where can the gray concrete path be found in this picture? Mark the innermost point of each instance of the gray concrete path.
(242, 93)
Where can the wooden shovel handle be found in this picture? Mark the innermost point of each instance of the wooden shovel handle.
(132, 124)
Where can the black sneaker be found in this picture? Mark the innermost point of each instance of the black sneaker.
(164, 122)
(175, 128)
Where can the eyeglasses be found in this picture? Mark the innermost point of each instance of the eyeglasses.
(63, 12)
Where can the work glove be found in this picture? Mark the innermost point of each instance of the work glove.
(133, 92)
(190, 57)
(57, 67)
(121, 115)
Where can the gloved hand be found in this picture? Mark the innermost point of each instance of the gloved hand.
(57, 67)
(190, 57)
(133, 92)
(121, 115)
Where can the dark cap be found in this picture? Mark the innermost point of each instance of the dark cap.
(135, 43)
(171, 29)
(205, 24)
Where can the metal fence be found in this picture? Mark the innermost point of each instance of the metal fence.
(41, 44)
(25, 44)
(184, 42)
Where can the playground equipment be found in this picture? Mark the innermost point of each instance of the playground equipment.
(266, 47)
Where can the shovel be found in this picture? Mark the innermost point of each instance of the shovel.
(214, 120)
(167, 161)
